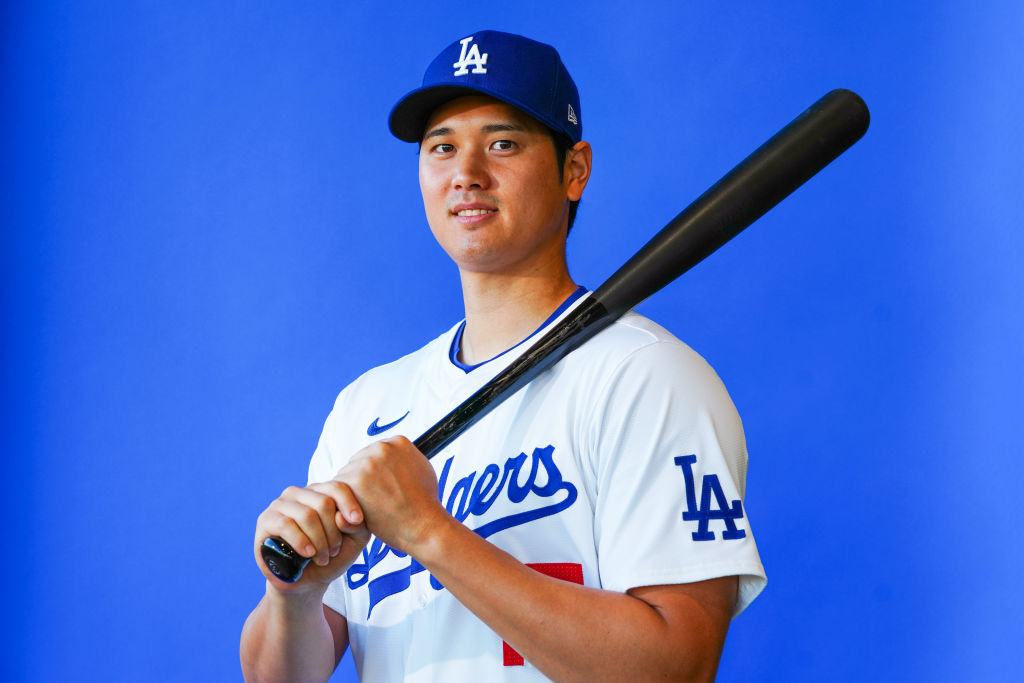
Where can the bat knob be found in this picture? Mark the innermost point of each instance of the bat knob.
(282, 561)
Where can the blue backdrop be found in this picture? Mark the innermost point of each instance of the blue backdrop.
(208, 231)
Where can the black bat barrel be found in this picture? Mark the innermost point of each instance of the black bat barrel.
(773, 171)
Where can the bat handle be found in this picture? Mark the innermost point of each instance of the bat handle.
(282, 560)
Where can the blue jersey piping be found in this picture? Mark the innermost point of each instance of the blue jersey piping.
(456, 345)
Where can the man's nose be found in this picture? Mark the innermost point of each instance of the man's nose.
(471, 171)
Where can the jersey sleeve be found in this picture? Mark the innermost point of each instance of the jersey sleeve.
(337, 443)
(669, 457)
(323, 465)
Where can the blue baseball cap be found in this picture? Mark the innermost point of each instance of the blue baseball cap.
(522, 72)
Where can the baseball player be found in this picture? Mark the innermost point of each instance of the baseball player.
(592, 526)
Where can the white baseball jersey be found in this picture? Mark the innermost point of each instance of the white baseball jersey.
(622, 466)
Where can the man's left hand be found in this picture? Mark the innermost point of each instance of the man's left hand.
(397, 489)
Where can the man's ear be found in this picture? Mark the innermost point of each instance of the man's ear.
(577, 169)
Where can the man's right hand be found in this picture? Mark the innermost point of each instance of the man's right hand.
(321, 521)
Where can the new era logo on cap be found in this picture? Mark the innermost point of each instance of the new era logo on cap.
(524, 73)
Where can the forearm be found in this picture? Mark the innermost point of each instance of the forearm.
(288, 639)
(571, 632)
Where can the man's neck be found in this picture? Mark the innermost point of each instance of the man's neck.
(502, 311)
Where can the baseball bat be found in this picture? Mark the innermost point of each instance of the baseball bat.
(775, 169)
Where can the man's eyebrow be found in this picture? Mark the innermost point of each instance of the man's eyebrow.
(438, 132)
(489, 128)
(499, 127)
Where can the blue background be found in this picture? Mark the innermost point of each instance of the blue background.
(208, 231)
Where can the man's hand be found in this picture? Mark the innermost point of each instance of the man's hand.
(292, 635)
(396, 488)
(321, 521)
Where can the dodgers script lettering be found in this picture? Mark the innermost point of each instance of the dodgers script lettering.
(525, 481)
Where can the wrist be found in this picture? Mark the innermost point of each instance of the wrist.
(293, 599)
(431, 546)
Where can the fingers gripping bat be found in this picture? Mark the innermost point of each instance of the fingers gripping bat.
(805, 146)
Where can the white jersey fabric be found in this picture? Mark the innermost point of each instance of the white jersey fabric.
(622, 466)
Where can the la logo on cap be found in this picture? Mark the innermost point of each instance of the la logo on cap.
(470, 57)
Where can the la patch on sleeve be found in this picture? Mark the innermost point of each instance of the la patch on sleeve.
(713, 504)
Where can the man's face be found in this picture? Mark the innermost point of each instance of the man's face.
(491, 188)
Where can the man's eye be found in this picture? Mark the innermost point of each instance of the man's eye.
(503, 145)
(444, 148)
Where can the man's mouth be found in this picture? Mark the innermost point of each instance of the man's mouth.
(475, 212)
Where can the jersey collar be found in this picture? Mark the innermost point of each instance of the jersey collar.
(456, 345)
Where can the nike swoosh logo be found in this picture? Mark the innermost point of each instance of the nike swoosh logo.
(374, 429)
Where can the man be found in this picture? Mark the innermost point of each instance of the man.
(591, 527)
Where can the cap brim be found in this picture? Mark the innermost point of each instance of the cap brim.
(408, 119)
